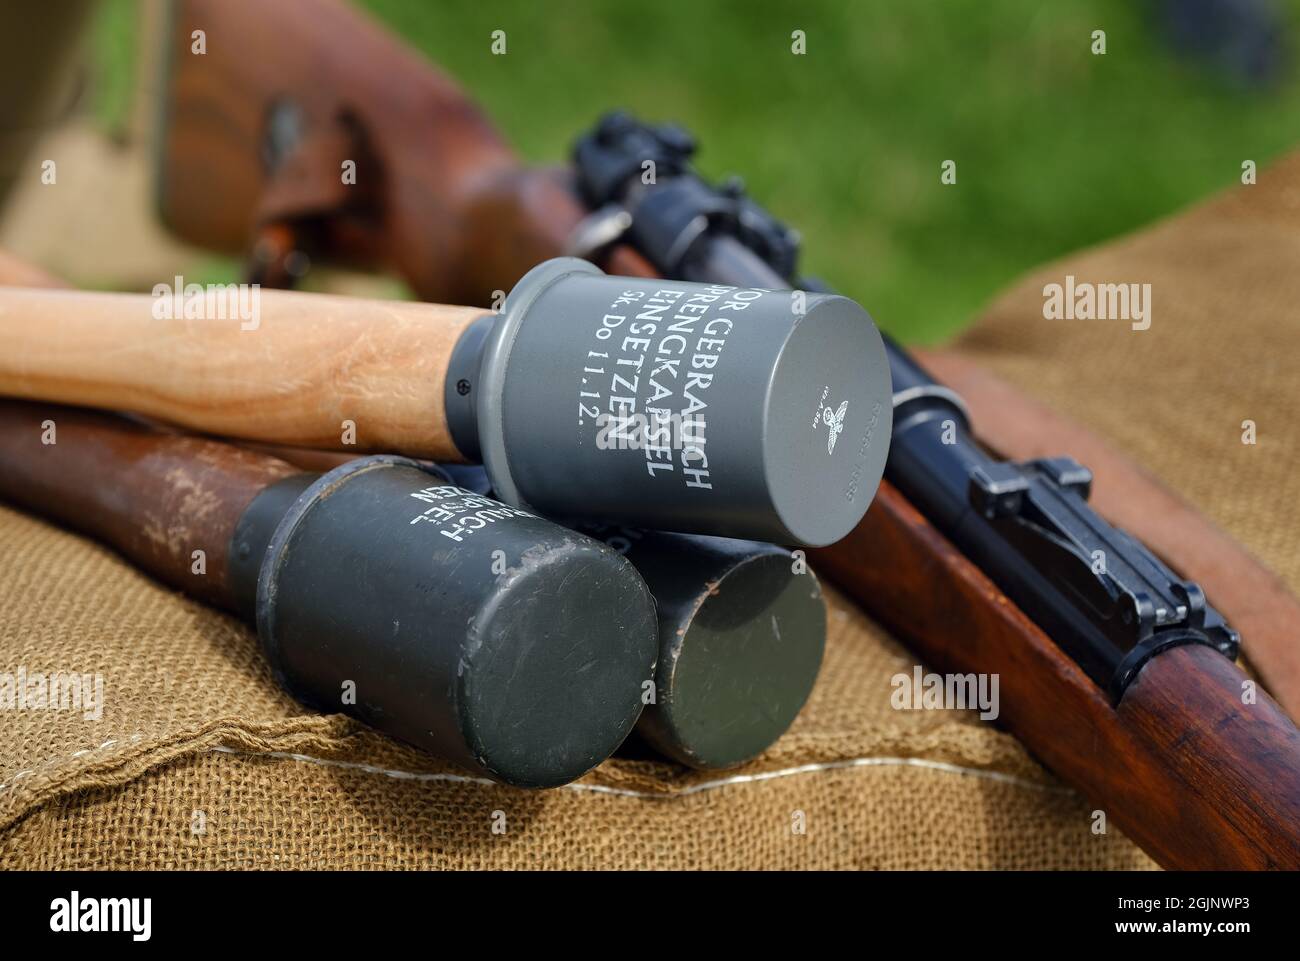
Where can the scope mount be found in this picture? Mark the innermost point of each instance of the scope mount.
(623, 154)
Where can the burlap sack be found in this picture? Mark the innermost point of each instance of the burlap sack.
(200, 761)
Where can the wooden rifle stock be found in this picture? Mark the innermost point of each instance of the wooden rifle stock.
(1195, 776)
(256, 130)
(232, 129)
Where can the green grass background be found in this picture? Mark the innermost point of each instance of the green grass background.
(1055, 148)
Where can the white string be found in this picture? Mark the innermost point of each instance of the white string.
(917, 762)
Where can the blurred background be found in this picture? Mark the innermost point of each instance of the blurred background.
(1055, 147)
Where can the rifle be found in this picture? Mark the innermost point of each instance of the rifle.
(1145, 717)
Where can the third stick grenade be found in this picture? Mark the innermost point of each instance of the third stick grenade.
(477, 632)
(742, 629)
(661, 404)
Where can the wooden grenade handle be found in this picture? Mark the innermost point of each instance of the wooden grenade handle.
(297, 370)
(156, 496)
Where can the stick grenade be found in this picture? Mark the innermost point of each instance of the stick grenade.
(661, 404)
(475, 631)
(742, 628)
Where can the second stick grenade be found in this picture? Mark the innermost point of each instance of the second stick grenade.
(477, 632)
(662, 404)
